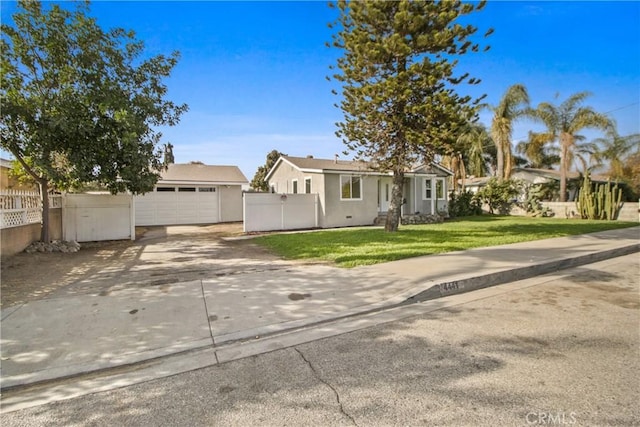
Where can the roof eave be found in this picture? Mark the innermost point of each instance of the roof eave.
(276, 165)
(186, 182)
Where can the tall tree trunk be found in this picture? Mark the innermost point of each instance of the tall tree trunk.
(395, 207)
(564, 154)
(499, 161)
(44, 194)
(463, 172)
(508, 160)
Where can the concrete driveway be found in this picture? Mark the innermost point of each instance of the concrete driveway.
(159, 256)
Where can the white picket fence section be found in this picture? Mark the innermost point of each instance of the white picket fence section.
(269, 212)
(18, 207)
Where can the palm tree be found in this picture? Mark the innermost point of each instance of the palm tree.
(475, 143)
(614, 149)
(586, 154)
(455, 163)
(513, 105)
(538, 151)
(564, 122)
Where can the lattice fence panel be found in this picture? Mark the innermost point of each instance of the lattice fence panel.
(19, 208)
(12, 218)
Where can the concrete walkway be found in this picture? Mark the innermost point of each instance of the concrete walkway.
(61, 337)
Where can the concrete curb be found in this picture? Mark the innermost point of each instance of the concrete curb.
(519, 273)
(88, 368)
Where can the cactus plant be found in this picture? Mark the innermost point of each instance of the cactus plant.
(603, 203)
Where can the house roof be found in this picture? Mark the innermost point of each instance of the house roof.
(311, 164)
(531, 173)
(554, 174)
(6, 163)
(476, 181)
(179, 173)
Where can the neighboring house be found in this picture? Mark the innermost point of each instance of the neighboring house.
(546, 176)
(8, 182)
(474, 183)
(193, 194)
(353, 193)
(536, 176)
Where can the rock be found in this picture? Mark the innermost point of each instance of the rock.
(421, 219)
(55, 246)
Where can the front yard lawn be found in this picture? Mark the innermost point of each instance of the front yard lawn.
(350, 247)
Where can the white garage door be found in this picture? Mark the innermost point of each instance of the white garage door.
(178, 205)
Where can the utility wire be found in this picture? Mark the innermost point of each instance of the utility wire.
(622, 108)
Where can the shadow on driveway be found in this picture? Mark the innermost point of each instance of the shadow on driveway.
(158, 256)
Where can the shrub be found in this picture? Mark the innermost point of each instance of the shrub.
(533, 196)
(500, 195)
(464, 204)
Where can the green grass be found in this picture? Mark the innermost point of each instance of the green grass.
(350, 247)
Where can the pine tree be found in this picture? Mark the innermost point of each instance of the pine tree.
(399, 100)
(259, 181)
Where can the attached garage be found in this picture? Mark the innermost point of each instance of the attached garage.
(193, 194)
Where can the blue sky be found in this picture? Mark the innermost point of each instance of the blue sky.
(253, 73)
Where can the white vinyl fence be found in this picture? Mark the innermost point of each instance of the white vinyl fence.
(268, 212)
(96, 217)
(19, 207)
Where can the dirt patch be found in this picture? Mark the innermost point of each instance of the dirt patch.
(159, 256)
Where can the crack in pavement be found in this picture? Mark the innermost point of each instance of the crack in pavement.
(206, 313)
(315, 374)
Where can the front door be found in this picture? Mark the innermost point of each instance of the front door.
(384, 194)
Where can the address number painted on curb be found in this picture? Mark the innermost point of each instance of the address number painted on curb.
(450, 287)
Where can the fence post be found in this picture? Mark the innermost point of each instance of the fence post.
(315, 210)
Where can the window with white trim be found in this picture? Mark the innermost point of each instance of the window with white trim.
(350, 187)
(307, 185)
(294, 186)
(426, 195)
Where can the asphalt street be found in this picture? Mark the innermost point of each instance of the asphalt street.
(561, 349)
